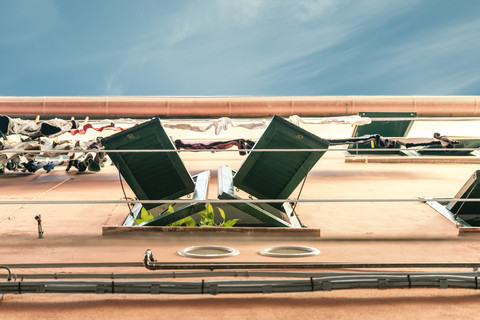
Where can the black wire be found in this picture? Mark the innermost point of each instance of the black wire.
(124, 194)
(300, 192)
(9, 272)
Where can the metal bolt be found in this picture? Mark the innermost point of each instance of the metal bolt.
(38, 217)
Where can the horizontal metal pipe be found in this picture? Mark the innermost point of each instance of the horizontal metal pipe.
(241, 286)
(178, 201)
(155, 265)
(75, 265)
(238, 106)
(229, 273)
(304, 265)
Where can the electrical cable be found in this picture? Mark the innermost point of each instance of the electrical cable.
(214, 287)
(222, 273)
(300, 192)
(123, 189)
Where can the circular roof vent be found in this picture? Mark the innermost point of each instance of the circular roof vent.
(208, 252)
(289, 251)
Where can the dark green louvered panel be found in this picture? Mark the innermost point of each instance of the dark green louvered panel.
(386, 129)
(275, 175)
(468, 211)
(151, 176)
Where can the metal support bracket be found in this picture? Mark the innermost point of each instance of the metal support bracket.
(38, 217)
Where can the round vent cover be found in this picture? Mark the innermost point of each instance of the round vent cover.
(289, 251)
(208, 252)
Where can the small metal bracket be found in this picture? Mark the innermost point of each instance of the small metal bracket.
(382, 284)
(443, 283)
(38, 217)
(155, 289)
(213, 289)
(326, 286)
(267, 289)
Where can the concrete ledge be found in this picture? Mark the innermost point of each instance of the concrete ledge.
(247, 231)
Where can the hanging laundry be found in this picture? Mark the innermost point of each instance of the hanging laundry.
(33, 166)
(84, 129)
(352, 120)
(51, 165)
(86, 160)
(16, 156)
(12, 165)
(81, 164)
(98, 160)
(224, 122)
(241, 144)
(48, 128)
(9, 151)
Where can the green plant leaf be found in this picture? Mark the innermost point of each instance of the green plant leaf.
(230, 223)
(144, 216)
(210, 213)
(189, 222)
(203, 214)
(209, 208)
(176, 223)
(222, 213)
(170, 209)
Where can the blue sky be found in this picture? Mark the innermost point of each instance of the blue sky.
(239, 47)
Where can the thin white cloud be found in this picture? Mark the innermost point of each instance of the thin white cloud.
(308, 10)
(262, 47)
(112, 88)
(435, 61)
(231, 43)
(240, 12)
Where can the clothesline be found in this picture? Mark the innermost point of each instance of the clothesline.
(91, 155)
(56, 127)
(215, 201)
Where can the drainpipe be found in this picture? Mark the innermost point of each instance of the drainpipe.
(113, 107)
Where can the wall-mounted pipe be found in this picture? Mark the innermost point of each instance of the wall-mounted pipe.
(111, 107)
